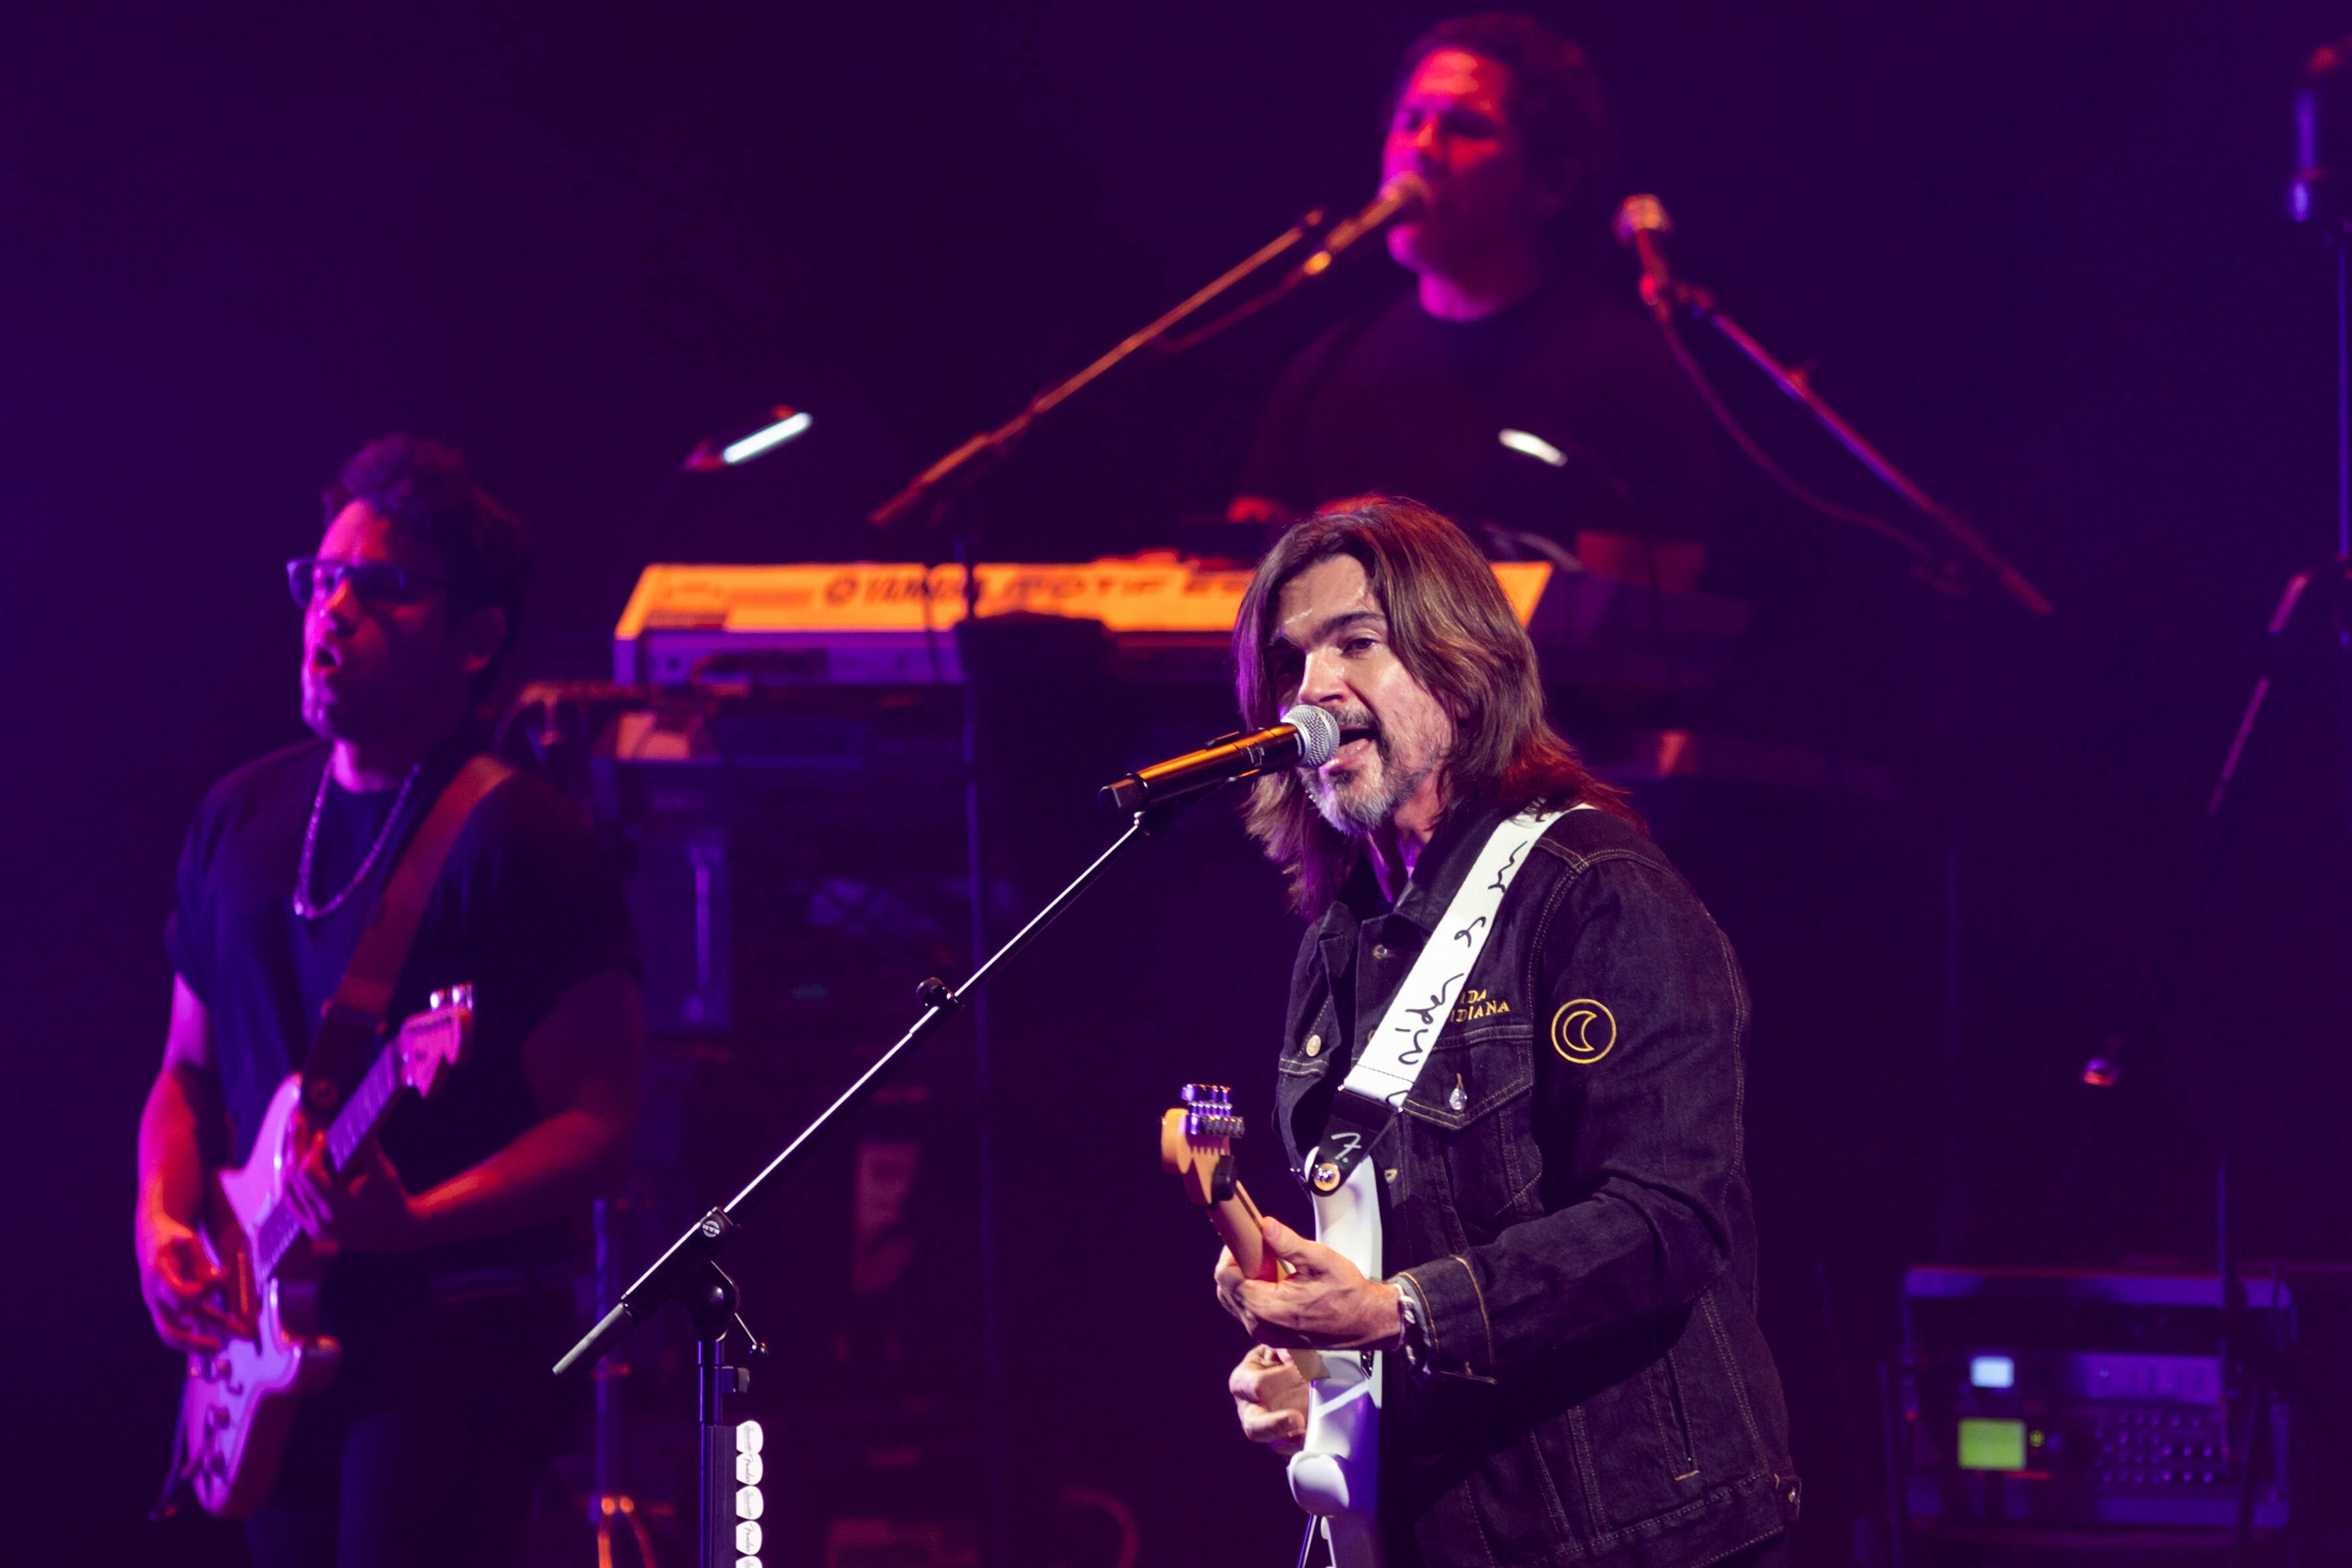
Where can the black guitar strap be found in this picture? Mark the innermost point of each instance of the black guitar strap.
(352, 1023)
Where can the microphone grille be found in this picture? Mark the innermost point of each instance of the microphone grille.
(1318, 735)
(1410, 192)
(1642, 214)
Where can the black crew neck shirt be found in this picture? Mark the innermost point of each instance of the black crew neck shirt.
(1397, 401)
(525, 908)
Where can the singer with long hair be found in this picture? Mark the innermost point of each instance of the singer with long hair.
(1574, 1371)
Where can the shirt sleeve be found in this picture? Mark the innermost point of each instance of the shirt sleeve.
(1639, 1060)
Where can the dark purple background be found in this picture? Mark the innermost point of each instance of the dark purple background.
(2039, 256)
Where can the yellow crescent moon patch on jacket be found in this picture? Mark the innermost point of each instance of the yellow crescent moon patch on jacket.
(1582, 1031)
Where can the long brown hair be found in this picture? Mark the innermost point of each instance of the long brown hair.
(1455, 634)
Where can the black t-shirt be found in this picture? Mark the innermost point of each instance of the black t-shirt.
(1398, 401)
(526, 908)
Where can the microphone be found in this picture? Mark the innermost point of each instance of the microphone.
(2322, 141)
(1641, 225)
(1305, 738)
(1402, 198)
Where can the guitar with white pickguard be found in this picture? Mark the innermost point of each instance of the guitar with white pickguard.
(1334, 1476)
(239, 1402)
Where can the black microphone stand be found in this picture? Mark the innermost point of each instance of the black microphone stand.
(2249, 1360)
(689, 1272)
(924, 495)
(1940, 569)
(1958, 531)
(932, 497)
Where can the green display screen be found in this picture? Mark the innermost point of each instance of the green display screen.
(1992, 1445)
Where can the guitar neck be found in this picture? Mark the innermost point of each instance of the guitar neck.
(1236, 1221)
(361, 1115)
(278, 1229)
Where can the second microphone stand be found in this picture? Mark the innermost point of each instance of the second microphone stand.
(689, 1271)
(1665, 298)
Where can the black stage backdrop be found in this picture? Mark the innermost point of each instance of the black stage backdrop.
(2039, 253)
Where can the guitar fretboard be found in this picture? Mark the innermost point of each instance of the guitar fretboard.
(280, 1227)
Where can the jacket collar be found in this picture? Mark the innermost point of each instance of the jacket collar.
(1436, 878)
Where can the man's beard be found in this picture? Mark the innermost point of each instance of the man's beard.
(1351, 804)
(363, 712)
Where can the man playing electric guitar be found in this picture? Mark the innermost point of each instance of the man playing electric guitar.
(449, 1287)
(1573, 1368)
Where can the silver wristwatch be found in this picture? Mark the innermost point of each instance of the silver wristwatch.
(1418, 1346)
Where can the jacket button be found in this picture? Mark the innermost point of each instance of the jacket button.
(1314, 1047)
(1381, 951)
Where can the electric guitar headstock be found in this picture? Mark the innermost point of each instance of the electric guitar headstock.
(1196, 1143)
(1196, 1147)
(432, 1041)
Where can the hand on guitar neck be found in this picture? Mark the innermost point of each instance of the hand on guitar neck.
(363, 1207)
(1319, 1300)
(1288, 1291)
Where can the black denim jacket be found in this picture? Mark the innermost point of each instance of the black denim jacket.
(1566, 1185)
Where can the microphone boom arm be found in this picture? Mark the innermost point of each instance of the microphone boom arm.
(684, 1270)
(976, 457)
(1664, 295)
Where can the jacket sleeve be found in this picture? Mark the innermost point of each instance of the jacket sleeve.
(1638, 1066)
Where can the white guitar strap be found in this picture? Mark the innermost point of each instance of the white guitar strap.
(1395, 1048)
(1335, 1476)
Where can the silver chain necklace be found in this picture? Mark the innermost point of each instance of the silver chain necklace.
(303, 906)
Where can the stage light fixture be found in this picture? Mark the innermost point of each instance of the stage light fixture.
(1533, 445)
(775, 427)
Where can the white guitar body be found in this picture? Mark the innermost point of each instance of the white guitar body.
(1335, 1475)
(238, 1401)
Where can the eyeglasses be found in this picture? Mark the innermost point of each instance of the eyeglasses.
(375, 583)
